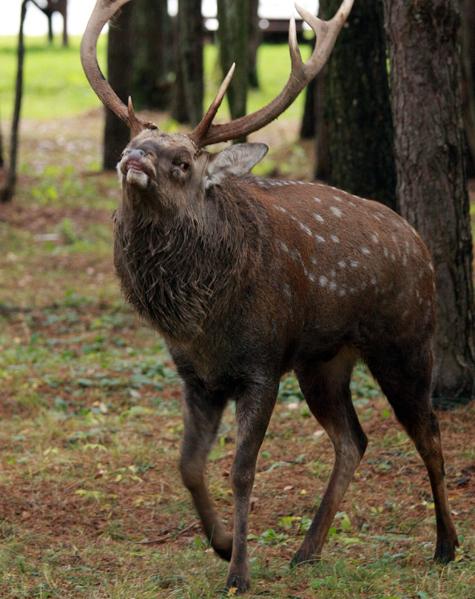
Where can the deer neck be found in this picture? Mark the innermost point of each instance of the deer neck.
(179, 271)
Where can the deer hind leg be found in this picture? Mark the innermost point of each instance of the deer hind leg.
(326, 387)
(406, 381)
(202, 418)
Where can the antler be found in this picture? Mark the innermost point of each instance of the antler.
(103, 11)
(301, 74)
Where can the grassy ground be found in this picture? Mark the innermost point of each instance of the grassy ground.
(91, 503)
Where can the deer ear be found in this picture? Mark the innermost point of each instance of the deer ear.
(234, 161)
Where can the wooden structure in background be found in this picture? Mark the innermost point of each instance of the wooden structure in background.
(49, 8)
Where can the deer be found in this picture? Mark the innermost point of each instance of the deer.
(247, 279)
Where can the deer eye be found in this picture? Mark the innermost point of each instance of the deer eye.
(184, 166)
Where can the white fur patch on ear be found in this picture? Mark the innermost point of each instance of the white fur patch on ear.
(234, 161)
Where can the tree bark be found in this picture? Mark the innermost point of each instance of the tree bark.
(2, 160)
(8, 190)
(152, 54)
(119, 75)
(190, 47)
(357, 107)
(322, 166)
(309, 119)
(468, 75)
(255, 38)
(233, 16)
(432, 193)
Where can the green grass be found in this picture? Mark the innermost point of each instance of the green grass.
(55, 86)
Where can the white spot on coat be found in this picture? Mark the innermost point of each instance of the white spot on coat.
(336, 211)
(323, 281)
(318, 217)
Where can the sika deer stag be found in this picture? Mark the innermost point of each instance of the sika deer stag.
(249, 278)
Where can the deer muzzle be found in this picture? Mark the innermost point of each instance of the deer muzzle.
(137, 168)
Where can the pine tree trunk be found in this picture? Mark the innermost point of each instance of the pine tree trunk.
(152, 54)
(119, 75)
(432, 194)
(357, 107)
(233, 16)
(190, 47)
(8, 190)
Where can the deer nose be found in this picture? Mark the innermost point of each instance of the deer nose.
(136, 154)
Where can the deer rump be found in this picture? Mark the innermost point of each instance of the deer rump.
(248, 278)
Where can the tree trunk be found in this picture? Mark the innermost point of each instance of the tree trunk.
(9, 189)
(50, 27)
(255, 38)
(152, 51)
(190, 48)
(309, 119)
(2, 160)
(233, 16)
(468, 75)
(119, 69)
(65, 24)
(432, 193)
(357, 106)
(322, 167)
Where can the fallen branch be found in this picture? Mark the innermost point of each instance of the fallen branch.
(168, 536)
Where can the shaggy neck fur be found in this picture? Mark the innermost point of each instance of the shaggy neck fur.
(179, 271)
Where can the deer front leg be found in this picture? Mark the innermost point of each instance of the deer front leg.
(202, 417)
(253, 412)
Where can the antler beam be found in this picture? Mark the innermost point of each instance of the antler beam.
(103, 11)
(301, 74)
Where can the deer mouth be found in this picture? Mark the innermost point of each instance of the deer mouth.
(138, 172)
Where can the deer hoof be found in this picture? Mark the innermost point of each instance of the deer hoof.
(239, 584)
(301, 558)
(445, 551)
(224, 546)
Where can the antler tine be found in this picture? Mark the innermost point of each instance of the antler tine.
(325, 31)
(103, 11)
(301, 74)
(201, 129)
